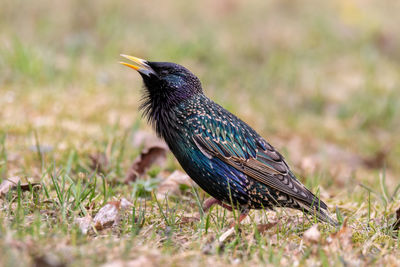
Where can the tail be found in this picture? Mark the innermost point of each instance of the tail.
(321, 213)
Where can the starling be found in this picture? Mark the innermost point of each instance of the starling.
(221, 153)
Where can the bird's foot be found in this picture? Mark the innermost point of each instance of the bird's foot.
(209, 202)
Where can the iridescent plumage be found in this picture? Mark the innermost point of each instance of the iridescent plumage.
(220, 152)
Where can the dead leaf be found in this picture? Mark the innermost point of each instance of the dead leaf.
(99, 162)
(226, 234)
(172, 183)
(261, 228)
(84, 223)
(28, 186)
(9, 183)
(12, 183)
(341, 240)
(154, 152)
(344, 236)
(109, 214)
(312, 235)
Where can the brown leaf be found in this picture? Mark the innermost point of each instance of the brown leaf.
(8, 184)
(342, 239)
(109, 214)
(12, 183)
(171, 184)
(28, 186)
(154, 152)
(99, 161)
(264, 227)
(312, 235)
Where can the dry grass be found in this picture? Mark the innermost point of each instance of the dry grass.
(320, 80)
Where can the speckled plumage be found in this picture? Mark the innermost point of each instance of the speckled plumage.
(220, 152)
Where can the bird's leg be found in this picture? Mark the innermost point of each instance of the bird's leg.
(222, 204)
(243, 214)
(209, 202)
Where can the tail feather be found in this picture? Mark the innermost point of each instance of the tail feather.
(320, 213)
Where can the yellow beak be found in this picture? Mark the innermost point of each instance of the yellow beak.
(141, 65)
(138, 61)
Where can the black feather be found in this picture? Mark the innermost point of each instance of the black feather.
(220, 152)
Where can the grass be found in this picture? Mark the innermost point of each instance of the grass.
(319, 80)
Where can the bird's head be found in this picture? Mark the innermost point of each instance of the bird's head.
(165, 82)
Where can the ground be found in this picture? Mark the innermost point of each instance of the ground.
(318, 79)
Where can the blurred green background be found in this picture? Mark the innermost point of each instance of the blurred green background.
(319, 79)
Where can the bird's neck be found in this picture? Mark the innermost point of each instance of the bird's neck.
(164, 122)
(162, 114)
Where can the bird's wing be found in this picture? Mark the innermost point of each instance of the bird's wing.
(241, 147)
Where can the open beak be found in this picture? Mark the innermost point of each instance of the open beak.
(141, 65)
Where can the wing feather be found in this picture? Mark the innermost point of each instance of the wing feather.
(249, 153)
